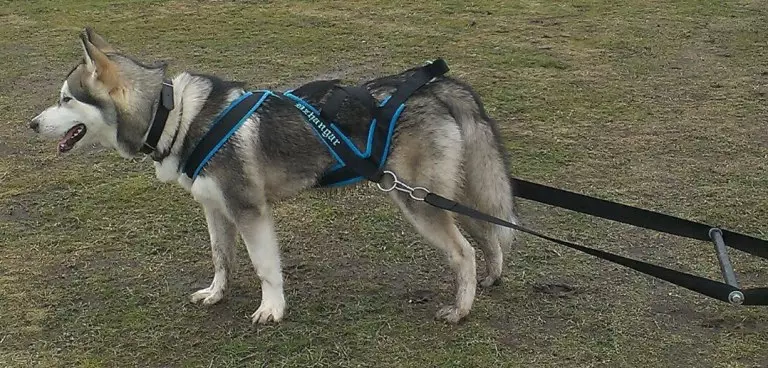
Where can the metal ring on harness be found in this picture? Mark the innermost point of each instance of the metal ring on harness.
(421, 197)
(394, 181)
(402, 187)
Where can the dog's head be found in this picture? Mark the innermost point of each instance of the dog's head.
(109, 98)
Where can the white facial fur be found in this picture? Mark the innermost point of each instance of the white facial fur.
(56, 120)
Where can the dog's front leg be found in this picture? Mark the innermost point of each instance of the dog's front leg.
(258, 233)
(222, 232)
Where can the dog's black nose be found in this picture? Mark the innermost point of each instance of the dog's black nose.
(35, 125)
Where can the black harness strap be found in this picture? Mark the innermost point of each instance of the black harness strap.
(222, 128)
(340, 150)
(161, 116)
(332, 104)
(419, 78)
(416, 80)
(340, 175)
(382, 116)
(330, 109)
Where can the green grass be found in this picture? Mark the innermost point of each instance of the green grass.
(657, 104)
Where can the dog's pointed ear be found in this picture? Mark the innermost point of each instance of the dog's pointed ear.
(98, 64)
(99, 41)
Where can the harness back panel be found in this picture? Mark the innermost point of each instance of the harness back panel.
(384, 117)
(352, 164)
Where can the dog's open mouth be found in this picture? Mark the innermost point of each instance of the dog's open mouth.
(71, 137)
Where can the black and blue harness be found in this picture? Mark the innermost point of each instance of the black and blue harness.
(352, 164)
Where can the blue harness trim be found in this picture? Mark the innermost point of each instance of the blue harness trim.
(351, 165)
(369, 165)
(331, 136)
(229, 134)
(368, 150)
(319, 127)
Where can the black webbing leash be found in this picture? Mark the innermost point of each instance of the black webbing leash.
(714, 289)
(634, 216)
(710, 288)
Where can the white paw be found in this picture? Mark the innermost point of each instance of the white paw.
(208, 296)
(451, 314)
(269, 311)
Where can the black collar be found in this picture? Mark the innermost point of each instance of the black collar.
(158, 123)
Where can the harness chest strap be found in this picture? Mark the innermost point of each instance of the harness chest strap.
(222, 128)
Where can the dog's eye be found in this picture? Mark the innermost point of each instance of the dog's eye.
(66, 99)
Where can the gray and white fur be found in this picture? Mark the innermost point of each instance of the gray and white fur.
(444, 141)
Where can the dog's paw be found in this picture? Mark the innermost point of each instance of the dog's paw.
(208, 296)
(451, 314)
(490, 281)
(268, 312)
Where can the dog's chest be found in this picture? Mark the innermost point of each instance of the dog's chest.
(206, 191)
(167, 171)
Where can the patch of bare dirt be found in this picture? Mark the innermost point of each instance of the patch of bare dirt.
(17, 211)
(5, 150)
(681, 315)
(556, 289)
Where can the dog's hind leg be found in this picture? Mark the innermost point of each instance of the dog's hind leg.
(223, 234)
(438, 228)
(487, 187)
(256, 227)
(430, 157)
(489, 244)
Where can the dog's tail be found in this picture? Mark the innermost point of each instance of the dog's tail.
(487, 185)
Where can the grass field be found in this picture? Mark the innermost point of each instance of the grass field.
(657, 104)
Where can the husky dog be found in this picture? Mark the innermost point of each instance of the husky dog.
(444, 141)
